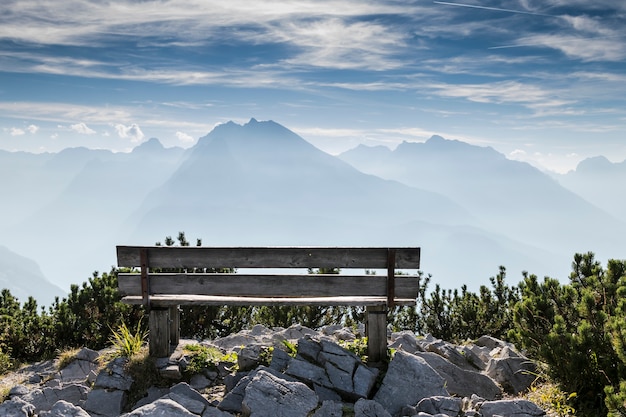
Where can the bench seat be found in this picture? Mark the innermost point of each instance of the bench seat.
(167, 300)
(193, 281)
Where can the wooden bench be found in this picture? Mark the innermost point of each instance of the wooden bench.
(163, 293)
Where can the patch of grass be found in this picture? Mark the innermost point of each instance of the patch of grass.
(291, 348)
(356, 346)
(142, 368)
(552, 399)
(206, 357)
(127, 343)
(66, 357)
(549, 396)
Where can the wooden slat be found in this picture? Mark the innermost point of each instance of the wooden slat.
(213, 300)
(267, 257)
(312, 285)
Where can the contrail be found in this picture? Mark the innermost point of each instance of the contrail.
(497, 9)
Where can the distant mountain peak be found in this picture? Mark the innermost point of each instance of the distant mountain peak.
(594, 164)
(437, 138)
(151, 145)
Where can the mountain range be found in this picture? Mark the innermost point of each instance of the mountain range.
(469, 208)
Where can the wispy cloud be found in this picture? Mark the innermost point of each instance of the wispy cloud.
(497, 9)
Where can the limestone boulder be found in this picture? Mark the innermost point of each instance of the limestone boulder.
(409, 379)
(269, 395)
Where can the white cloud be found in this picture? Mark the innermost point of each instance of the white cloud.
(132, 132)
(15, 131)
(518, 154)
(82, 128)
(185, 138)
(33, 129)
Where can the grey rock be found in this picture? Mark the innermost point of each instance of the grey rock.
(189, 398)
(326, 394)
(163, 407)
(340, 379)
(89, 355)
(364, 380)
(249, 357)
(450, 406)
(308, 349)
(18, 390)
(405, 341)
(199, 381)
(308, 372)
(151, 395)
(280, 360)
(330, 329)
(183, 388)
(109, 403)
(194, 406)
(369, 408)
(514, 374)
(44, 399)
(511, 408)
(409, 379)
(55, 383)
(461, 382)
(260, 330)
(114, 376)
(294, 332)
(171, 372)
(477, 357)
(268, 395)
(233, 400)
(16, 407)
(214, 412)
(230, 342)
(492, 342)
(231, 380)
(77, 371)
(64, 409)
(329, 409)
(450, 353)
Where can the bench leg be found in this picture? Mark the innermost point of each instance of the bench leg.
(376, 330)
(159, 338)
(174, 325)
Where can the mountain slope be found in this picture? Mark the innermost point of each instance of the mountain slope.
(24, 279)
(261, 172)
(509, 197)
(88, 195)
(601, 182)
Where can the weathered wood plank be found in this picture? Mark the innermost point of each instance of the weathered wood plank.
(159, 332)
(311, 285)
(216, 300)
(267, 257)
(376, 331)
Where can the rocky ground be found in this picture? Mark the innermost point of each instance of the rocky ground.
(284, 372)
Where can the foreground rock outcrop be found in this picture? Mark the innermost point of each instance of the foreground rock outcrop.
(290, 372)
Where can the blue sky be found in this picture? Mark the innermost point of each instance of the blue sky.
(539, 80)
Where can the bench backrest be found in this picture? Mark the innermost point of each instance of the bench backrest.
(195, 281)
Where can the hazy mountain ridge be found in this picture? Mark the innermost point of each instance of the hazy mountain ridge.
(261, 184)
(24, 278)
(600, 182)
(509, 197)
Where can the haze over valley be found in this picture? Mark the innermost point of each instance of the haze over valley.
(469, 207)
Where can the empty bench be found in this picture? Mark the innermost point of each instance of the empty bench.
(162, 293)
